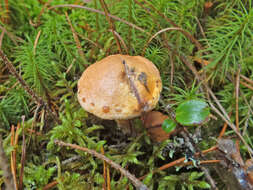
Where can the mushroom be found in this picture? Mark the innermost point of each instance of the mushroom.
(120, 87)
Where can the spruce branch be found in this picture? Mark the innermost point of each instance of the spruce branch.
(34, 96)
(14, 72)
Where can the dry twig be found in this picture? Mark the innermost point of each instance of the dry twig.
(224, 128)
(122, 41)
(124, 172)
(23, 156)
(75, 36)
(109, 20)
(14, 141)
(179, 161)
(188, 35)
(102, 13)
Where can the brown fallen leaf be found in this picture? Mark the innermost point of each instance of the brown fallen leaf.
(153, 123)
(207, 7)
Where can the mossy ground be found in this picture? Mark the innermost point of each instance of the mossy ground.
(51, 45)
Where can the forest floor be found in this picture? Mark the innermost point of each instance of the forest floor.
(200, 136)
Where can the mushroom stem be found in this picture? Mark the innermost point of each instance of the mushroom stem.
(125, 126)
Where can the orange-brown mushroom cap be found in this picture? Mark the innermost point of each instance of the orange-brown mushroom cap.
(104, 88)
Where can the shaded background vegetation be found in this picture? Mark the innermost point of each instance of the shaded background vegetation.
(51, 46)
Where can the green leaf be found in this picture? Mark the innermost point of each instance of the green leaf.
(203, 185)
(192, 112)
(168, 125)
(148, 178)
(172, 178)
(195, 175)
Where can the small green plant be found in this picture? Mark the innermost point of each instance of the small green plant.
(184, 181)
(189, 113)
(36, 177)
(38, 40)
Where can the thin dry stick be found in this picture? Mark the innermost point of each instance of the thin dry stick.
(171, 69)
(104, 170)
(132, 85)
(246, 85)
(174, 29)
(11, 36)
(224, 128)
(13, 157)
(161, 14)
(36, 42)
(108, 178)
(14, 143)
(237, 85)
(179, 161)
(102, 13)
(201, 162)
(246, 79)
(4, 165)
(33, 123)
(209, 178)
(50, 185)
(202, 31)
(7, 10)
(131, 177)
(109, 20)
(41, 13)
(122, 41)
(248, 115)
(233, 127)
(54, 183)
(1, 38)
(75, 36)
(23, 156)
(93, 43)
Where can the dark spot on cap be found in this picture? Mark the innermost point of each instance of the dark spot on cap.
(136, 110)
(106, 109)
(92, 104)
(118, 110)
(83, 99)
(157, 83)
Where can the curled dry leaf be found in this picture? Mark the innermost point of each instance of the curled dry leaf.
(153, 123)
